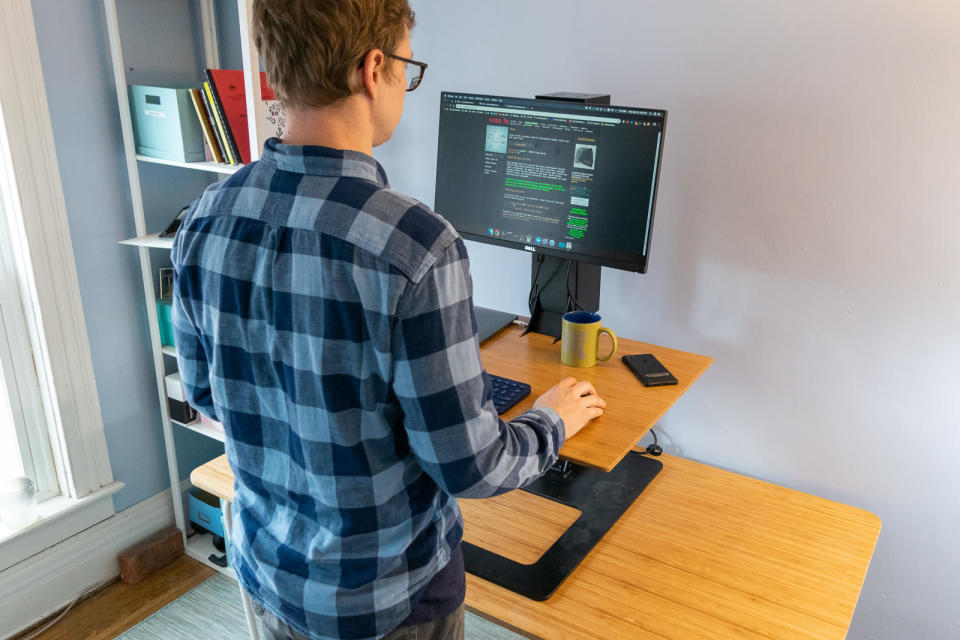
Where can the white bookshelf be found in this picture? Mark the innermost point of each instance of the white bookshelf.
(151, 240)
(198, 427)
(197, 546)
(211, 167)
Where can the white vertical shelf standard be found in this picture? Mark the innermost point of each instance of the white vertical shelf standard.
(251, 79)
(146, 266)
(136, 197)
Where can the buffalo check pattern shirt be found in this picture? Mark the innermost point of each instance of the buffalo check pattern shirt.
(327, 321)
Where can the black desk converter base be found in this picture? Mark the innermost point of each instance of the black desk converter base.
(602, 497)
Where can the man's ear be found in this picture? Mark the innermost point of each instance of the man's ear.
(371, 72)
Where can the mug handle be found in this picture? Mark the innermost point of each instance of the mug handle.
(612, 337)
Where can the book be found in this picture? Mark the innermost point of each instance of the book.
(209, 137)
(228, 89)
(223, 129)
(220, 140)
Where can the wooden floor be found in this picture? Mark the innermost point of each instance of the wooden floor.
(117, 607)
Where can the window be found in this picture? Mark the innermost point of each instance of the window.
(24, 441)
(51, 428)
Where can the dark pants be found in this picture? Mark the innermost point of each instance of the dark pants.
(449, 628)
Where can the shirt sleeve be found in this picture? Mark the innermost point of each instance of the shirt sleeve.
(191, 356)
(446, 396)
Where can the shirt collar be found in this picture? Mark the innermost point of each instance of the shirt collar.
(323, 161)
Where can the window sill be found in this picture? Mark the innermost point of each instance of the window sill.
(59, 519)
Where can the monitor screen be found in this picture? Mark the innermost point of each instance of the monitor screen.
(563, 178)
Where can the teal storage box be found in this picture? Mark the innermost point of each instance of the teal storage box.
(165, 123)
(205, 511)
(165, 319)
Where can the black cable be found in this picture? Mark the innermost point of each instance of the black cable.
(570, 294)
(535, 290)
(535, 285)
(654, 449)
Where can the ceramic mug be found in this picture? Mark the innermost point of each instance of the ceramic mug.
(580, 339)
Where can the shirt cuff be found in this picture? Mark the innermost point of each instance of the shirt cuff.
(550, 418)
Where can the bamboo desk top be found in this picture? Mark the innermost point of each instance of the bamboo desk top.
(632, 409)
(702, 553)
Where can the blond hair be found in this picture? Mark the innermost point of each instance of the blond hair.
(310, 48)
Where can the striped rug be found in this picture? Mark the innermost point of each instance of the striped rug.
(213, 611)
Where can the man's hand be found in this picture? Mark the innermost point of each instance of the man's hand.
(576, 402)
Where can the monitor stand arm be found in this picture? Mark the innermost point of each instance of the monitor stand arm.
(559, 285)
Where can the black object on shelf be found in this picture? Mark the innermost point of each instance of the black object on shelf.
(220, 561)
(181, 411)
(173, 226)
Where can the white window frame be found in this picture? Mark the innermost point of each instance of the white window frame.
(39, 238)
(21, 388)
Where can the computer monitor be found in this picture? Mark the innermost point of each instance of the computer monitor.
(572, 181)
(575, 183)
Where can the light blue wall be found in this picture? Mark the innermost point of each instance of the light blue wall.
(78, 77)
(806, 237)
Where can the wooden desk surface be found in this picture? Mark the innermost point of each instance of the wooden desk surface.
(703, 553)
(632, 409)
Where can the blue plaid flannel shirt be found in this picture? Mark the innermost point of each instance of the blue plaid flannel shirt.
(327, 322)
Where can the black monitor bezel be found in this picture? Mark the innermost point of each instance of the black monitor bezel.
(606, 261)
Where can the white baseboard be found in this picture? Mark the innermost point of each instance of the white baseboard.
(42, 584)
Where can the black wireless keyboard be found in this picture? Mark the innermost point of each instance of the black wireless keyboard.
(507, 392)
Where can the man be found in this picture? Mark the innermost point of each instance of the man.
(327, 322)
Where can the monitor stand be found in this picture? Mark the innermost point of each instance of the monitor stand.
(559, 285)
(601, 497)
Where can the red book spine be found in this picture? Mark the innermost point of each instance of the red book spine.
(228, 87)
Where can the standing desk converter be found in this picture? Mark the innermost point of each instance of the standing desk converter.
(701, 553)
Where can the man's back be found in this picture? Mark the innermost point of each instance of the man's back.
(327, 322)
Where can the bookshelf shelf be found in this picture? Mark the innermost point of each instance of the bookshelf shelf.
(198, 427)
(211, 167)
(169, 351)
(200, 546)
(154, 241)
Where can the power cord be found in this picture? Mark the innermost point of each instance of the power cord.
(535, 284)
(571, 297)
(83, 595)
(654, 449)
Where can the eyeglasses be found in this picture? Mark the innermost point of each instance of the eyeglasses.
(413, 70)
